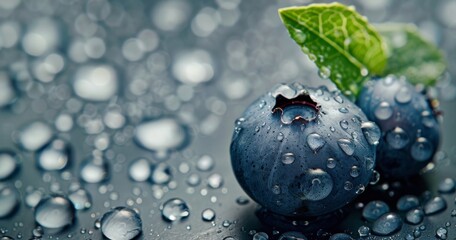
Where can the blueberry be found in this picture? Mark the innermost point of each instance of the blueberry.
(410, 130)
(301, 151)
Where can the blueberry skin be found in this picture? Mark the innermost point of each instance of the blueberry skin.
(309, 166)
(410, 130)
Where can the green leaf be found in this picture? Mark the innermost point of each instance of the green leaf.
(410, 55)
(339, 40)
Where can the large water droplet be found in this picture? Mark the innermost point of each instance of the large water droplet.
(208, 215)
(347, 146)
(121, 223)
(162, 135)
(175, 209)
(94, 169)
(315, 141)
(139, 170)
(81, 199)
(435, 205)
(161, 173)
(54, 156)
(9, 200)
(34, 136)
(316, 185)
(205, 163)
(397, 138)
(96, 83)
(414, 216)
(403, 95)
(54, 212)
(8, 164)
(422, 149)
(407, 202)
(383, 111)
(194, 67)
(387, 224)
(374, 209)
(371, 132)
(294, 112)
(441, 233)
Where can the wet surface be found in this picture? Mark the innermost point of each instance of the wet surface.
(133, 104)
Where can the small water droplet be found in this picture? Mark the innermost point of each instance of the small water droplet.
(403, 95)
(208, 215)
(354, 171)
(383, 111)
(161, 174)
(121, 223)
(347, 146)
(447, 185)
(288, 158)
(175, 209)
(331, 163)
(348, 185)
(315, 141)
(374, 209)
(94, 169)
(280, 137)
(435, 205)
(81, 199)
(364, 231)
(387, 224)
(54, 212)
(441, 233)
(344, 124)
(8, 164)
(139, 170)
(422, 149)
(371, 132)
(397, 138)
(324, 72)
(54, 156)
(276, 189)
(374, 178)
(414, 216)
(215, 181)
(343, 110)
(9, 200)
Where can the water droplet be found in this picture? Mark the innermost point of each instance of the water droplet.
(81, 199)
(407, 202)
(298, 36)
(162, 135)
(280, 137)
(447, 185)
(332, 129)
(7, 90)
(324, 72)
(139, 170)
(260, 236)
(193, 67)
(242, 200)
(370, 163)
(397, 138)
(344, 124)
(294, 112)
(215, 180)
(414, 216)
(360, 189)
(8, 164)
(422, 149)
(34, 136)
(54, 212)
(288, 158)
(364, 72)
(32, 198)
(364, 231)
(96, 82)
(257, 129)
(428, 119)
(375, 178)
(371, 132)
(94, 169)
(205, 163)
(383, 111)
(340, 236)
(54, 156)
(374, 209)
(193, 180)
(175, 209)
(348, 185)
(121, 223)
(347, 146)
(354, 171)
(343, 110)
(331, 163)
(9, 200)
(403, 95)
(315, 141)
(276, 189)
(387, 224)
(208, 215)
(441, 233)
(435, 205)
(338, 99)
(292, 236)
(161, 173)
(316, 184)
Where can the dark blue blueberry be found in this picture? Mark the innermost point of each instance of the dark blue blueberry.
(410, 130)
(302, 151)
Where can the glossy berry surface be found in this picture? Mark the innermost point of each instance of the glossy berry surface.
(301, 151)
(410, 130)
